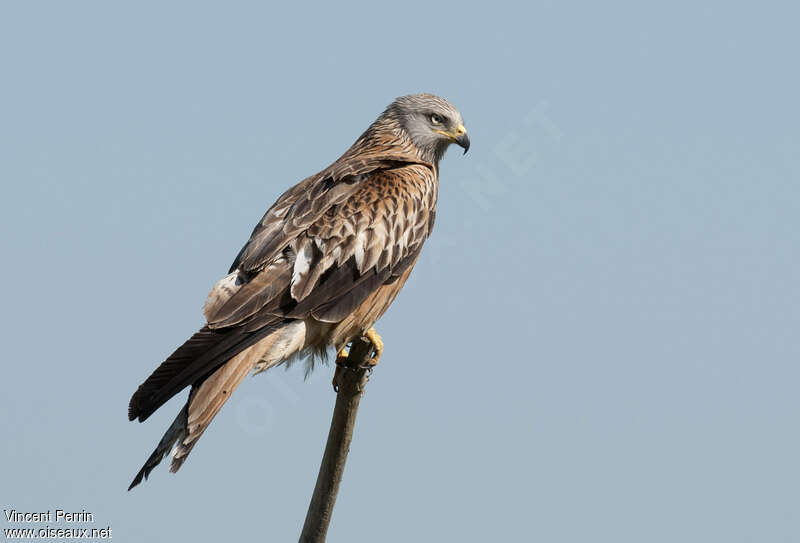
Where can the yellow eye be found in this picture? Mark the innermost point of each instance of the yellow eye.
(436, 119)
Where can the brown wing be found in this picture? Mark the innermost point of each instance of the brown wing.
(306, 202)
(320, 251)
(337, 260)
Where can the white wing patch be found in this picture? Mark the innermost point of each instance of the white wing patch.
(358, 252)
(302, 264)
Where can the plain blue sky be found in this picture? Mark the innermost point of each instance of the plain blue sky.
(598, 344)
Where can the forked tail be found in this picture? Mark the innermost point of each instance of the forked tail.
(209, 393)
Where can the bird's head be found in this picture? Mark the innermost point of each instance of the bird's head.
(431, 123)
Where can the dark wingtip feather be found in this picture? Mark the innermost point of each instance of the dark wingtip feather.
(175, 432)
(175, 373)
(134, 406)
(151, 463)
(138, 479)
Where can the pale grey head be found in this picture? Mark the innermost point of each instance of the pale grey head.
(431, 123)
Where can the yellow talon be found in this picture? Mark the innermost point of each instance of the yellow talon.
(341, 357)
(377, 346)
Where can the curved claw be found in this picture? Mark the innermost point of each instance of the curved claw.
(341, 357)
(377, 346)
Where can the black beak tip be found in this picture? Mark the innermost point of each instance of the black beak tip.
(463, 141)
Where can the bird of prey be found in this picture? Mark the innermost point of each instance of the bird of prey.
(322, 265)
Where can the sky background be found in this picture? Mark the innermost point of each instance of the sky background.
(599, 343)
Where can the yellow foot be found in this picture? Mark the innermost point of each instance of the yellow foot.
(377, 346)
(342, 357)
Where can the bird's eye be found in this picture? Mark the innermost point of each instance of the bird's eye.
(436, 119)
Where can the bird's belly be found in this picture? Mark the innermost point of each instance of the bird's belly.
(365, 315)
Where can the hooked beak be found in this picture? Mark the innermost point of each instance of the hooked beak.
(459, 136)
(462, 138)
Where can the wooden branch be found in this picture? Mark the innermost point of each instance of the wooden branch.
(349, 381)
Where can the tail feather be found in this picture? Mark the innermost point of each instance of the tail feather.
(208, 398)
(209, 395)
(200, 355)
(176, 432)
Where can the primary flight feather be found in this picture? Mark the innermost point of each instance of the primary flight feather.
(322, 265)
